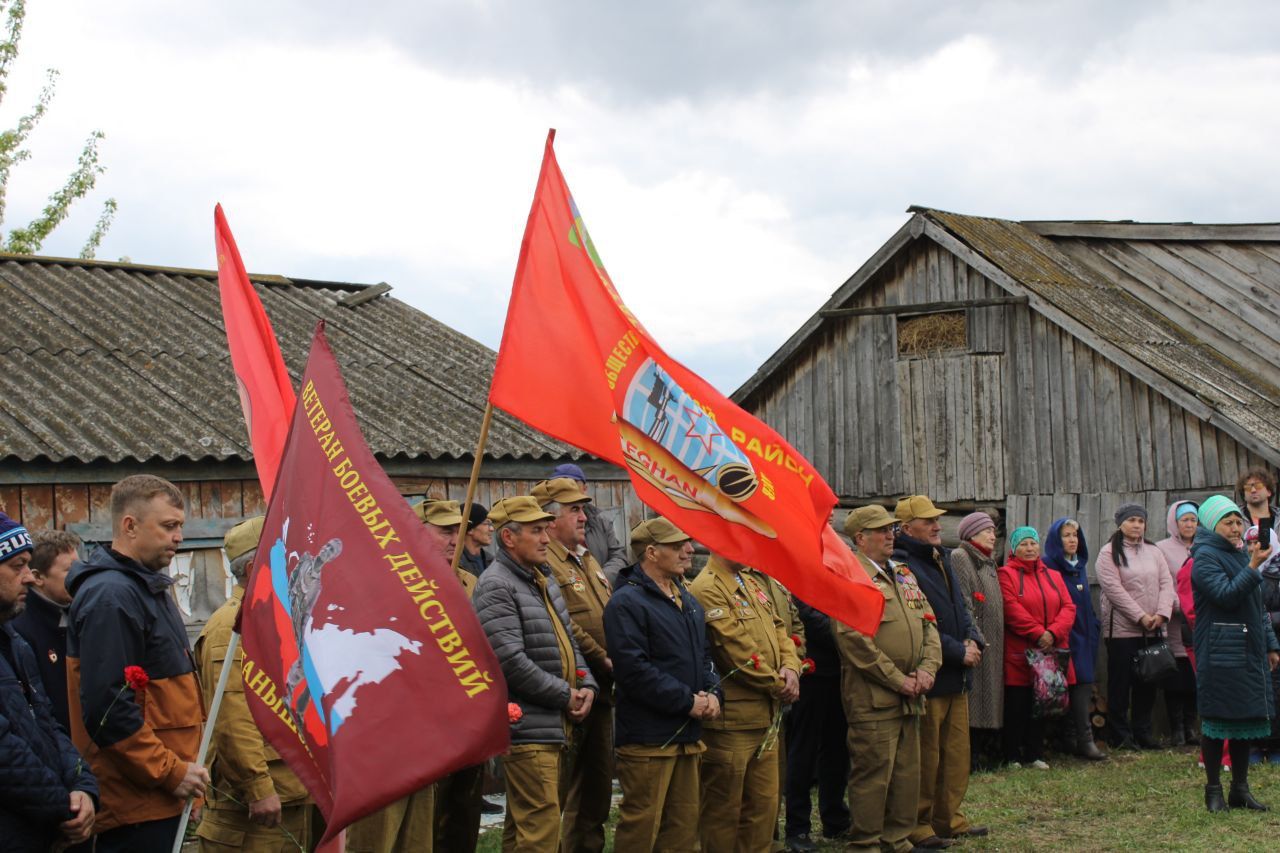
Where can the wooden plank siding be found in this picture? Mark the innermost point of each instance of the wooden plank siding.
(1030, 410)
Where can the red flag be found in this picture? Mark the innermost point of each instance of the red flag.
(374, 675)
(576, 364)
(266, 392)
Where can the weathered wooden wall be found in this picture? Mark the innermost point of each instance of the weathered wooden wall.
(1027, 409)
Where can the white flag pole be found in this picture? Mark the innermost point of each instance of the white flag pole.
(218, 692)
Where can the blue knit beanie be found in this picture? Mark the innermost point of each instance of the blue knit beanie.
(14, 538)
(1017, 536)
(1215, 509)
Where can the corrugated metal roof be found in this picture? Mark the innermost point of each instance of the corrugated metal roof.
(123, 362)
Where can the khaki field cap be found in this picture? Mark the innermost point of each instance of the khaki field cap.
(243, 538)
(916, 506)
(656, 531)
(439, 513)
(867, 518)
(562, 490)
(522, 509)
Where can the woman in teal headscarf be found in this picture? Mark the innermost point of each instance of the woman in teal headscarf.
(1235, 649)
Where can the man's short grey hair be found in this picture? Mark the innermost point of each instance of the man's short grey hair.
(240, 565)
(515, 527)
(554, 508)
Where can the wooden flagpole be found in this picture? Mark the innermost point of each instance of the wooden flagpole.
(471, 484)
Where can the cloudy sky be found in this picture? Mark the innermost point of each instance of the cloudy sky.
(735, 162)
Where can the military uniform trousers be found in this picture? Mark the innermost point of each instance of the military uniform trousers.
(458, 795)
(226, 828)
(659, 808)
(739, 808)
(535, 790)
(884, 782)
(405, 826)
(589, 783)
(944, 767)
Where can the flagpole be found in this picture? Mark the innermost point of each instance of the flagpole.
(471, 484)
(227, 663)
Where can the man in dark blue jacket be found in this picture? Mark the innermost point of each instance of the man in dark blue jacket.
(47, 794)
(944, 730)
(665, 686)
(44, 623)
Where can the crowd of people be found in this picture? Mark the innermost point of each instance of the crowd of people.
(715, 700)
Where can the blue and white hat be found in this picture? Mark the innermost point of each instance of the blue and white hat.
(14, 538)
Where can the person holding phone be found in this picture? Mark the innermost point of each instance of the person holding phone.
(1235, 649)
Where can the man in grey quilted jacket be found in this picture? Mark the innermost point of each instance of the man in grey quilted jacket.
(527, 623)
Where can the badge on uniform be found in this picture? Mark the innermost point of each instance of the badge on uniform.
(53, 656)
(715, 613)
(764, 599)
(602, 577)
(579, 586)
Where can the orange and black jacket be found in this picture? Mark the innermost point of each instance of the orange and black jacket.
(138, 743)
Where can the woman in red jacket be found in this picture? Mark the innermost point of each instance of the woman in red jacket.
(1038, 613)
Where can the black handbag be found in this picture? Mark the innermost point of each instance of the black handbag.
(1154, 662)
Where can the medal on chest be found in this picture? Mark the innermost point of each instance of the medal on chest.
(912, 595)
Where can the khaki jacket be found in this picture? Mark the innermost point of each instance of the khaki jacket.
(785, 606)
(586, 591)
(242, 763)
(741, 622)
(873, 668)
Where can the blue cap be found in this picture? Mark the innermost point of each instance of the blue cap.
(568, 469)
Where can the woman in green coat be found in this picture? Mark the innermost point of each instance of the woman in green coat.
(1235, 649)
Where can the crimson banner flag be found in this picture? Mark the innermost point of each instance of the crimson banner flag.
(266, 392)
(374, 676)
(576, 364)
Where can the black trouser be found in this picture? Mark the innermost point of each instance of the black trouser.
(1120, 683)
(816, 743)
(1023, 731)
(152, 836)
(1180, 699)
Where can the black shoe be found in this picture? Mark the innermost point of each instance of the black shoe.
(1179, 738)
(1241, 798)
(933, 842)
(801, 843)
(837, 834)
(1147, 742)
(975, 832)
(487, 807)
(1213, 798)
(1090, 751)
(1126, 745)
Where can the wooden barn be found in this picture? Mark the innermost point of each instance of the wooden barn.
(1039, 369)
(112, 369)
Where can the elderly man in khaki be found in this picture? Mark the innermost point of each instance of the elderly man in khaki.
(409, 823)
(255, 799)
(884, 681)
(739, 809)
(586, 591)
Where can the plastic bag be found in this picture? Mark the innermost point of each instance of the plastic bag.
(1049, 697)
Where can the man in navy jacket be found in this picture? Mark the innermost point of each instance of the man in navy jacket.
(944, 730)
(47, 794)
(665, 686)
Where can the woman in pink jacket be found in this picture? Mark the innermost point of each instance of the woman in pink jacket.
(1137, 600)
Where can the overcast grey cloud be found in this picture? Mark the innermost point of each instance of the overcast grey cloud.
(735, 161)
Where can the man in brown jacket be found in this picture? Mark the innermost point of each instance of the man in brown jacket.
(586, 591)
(752, 647)
(255, 799)
(885, 678)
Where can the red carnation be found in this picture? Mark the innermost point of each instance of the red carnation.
(979, 597)
(514, 714)
(136, 677)
(755, 661)
(808, 666)
(929, 617)
(581, 673)
(795, 638)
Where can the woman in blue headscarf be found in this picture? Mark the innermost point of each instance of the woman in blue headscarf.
(1236, 650)
(1066, 551)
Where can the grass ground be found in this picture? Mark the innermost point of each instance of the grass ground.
(1148, 801)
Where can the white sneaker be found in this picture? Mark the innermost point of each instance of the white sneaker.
(1013, 765)
(1039, 765)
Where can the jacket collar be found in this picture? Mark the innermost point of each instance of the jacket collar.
(49, 609)
(104, 559)
(509, 562)
(916, 547)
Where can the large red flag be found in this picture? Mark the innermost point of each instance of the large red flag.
(374, 675)
(266, 392)
(578, 365)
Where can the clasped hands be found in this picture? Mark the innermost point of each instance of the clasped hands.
(705, 706)
(917, 683)
(580, 700)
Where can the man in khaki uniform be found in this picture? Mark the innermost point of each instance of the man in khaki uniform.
(739, 810)
(885, 678)
(255, 799)
(785, 606)
(586, 591)
(409, 824)
(458, 795)
(666, 687)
